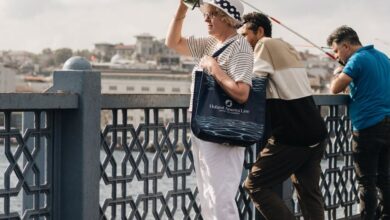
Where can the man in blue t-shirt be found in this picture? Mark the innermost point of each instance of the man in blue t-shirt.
(367, 73)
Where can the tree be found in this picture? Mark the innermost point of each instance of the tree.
(86, 54)
(83, 53)
(61, 55)
(47, 51)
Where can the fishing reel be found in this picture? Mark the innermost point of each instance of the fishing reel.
(193, 3)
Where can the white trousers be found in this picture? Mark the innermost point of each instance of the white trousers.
(218, 173)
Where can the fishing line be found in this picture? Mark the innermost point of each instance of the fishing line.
(196, 3)
(291, 30)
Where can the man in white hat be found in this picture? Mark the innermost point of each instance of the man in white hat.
(218, 167)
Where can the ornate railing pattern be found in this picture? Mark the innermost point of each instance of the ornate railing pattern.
(23, 173)
(145, 168)
(155, 161)
(338, 181)
(157, 151)
(26, 155)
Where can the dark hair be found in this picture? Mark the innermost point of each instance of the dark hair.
(256, 20)
(343, 34)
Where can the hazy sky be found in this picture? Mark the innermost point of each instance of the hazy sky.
(33, 25)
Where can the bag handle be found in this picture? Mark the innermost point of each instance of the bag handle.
(215, 54)
(220, 50)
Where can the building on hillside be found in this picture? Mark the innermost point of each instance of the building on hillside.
(125, 50)
(319, 69)
(144, 47)
(104, 51)
(145, 81)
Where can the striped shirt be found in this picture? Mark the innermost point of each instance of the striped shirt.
(236, 60)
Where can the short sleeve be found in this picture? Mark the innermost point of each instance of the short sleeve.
(198, 46)
(241, 67)
(262, 63)
(353, 67)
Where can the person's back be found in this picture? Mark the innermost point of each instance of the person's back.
(370, 93)
(367, 73)
(292, 116)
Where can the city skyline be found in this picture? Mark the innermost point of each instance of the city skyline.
(38, 24)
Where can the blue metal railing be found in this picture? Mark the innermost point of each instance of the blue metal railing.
(165, 142)
(26, 154)
(152, 151)
(137, 164)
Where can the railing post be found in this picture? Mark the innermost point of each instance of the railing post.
(29, 121)
(76, 143)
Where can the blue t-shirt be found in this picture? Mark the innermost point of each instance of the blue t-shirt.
(370, 87)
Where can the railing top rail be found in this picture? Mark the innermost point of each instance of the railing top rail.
(136, 101)
(35, 101)
(330, 99)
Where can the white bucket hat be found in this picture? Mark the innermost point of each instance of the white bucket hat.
(233, 8)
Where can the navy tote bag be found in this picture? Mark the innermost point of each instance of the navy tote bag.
(218, 118)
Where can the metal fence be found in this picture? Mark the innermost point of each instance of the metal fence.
(155, 160)
(156, 151)
(26, 154)
(133, 163)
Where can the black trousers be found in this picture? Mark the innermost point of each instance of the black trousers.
(276, 163)
(371, 154)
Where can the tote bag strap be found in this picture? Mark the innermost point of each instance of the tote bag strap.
(215, 54)
(220, 50)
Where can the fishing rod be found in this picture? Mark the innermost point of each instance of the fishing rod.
(291, 30)
(196, 3)
(193, 3)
